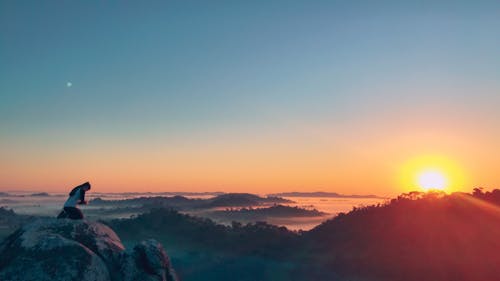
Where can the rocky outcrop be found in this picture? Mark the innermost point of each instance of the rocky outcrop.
(52, 249)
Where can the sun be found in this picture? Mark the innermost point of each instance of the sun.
(432, 179)
(432, 172)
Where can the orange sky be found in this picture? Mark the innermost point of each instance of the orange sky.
(248, 97)
(351, 159)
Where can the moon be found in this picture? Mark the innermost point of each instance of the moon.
(69, 84)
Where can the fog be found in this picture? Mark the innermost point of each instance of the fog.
(49, 204)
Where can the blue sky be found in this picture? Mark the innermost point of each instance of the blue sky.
(153, 74)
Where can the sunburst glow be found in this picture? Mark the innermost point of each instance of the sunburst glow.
(432, 179)
(429, 172)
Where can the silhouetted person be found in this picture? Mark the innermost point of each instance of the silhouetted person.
(76, 196)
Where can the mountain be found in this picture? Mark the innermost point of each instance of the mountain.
(417, 236)
(204, 234)
(55, 250)
(263, 214)
(40, 194)
(203, 250)
(322, 194)
(183, 203)
(243, 200)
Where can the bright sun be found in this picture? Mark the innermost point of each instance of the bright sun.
(428, 172)
(432, 179)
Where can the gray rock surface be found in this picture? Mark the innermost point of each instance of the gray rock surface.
(52, 249)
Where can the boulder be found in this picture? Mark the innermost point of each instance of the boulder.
(62, 249)
(148, 262)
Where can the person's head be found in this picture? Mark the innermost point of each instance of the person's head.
(86, 186)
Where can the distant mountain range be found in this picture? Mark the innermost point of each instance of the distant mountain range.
(215, 194)
(322, 194)
(172, 193)
(181, 202)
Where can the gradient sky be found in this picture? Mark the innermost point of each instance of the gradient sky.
(256, 96)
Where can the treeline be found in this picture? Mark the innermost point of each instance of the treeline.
(184, 203)
(489, 196)
(273, 211)
(167, 225)
(417, 236)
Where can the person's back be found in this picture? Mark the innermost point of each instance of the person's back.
(76, 196)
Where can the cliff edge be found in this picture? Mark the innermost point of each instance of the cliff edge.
(60, 249)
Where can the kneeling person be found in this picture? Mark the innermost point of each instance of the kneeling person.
(76, 196)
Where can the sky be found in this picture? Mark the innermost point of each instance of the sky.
(355, 97)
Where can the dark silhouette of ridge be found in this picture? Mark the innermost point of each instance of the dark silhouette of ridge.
(40, 194)
(275, 211)
(417, 236)
(183, 203)
(243, 199)
(323, 194)
(202, 233)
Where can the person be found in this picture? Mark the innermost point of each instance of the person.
(76, 196)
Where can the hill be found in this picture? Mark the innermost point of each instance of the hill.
(322, 194)
(204, 234)
(264, 214)
(184, 203)
(417, 236)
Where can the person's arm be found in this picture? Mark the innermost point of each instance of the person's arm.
(82, 196)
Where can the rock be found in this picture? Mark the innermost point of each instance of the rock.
(52, 249)
(148, 259)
